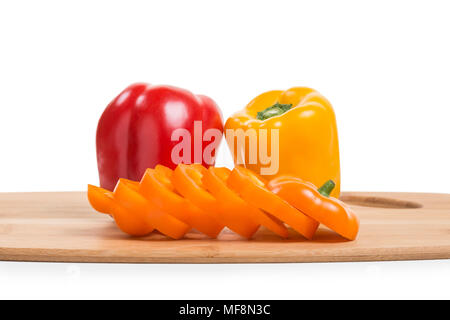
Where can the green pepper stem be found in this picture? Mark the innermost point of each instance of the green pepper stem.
(273, 111)
(326, 188)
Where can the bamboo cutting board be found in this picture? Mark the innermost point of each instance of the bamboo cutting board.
(62, 227)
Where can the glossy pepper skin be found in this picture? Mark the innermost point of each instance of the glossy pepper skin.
(308, 139)
(134, 132)
(316, 204)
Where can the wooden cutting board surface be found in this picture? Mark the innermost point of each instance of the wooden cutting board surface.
(62, 227)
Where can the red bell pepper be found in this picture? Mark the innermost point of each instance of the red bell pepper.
(135, 132)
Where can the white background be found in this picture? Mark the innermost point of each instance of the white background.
(385, 66)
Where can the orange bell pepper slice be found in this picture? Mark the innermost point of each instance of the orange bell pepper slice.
(187, 180)
(317, 204)
(231, 212)
(100, 199)
(252, 188)
(103, 201)
(126, 222)
(157, 187)
(215, 179)
(139, 208)
(163, 173)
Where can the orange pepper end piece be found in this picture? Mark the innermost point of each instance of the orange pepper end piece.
(327, 210)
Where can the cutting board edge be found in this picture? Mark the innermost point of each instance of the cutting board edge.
(65, 256)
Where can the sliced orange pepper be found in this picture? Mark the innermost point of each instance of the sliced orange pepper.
(187, 180)
(130, 224)
(252, 188)
(164, 171)
(127, 195)
(100, 199)
(157, 187)
(215, 182)
(103, 201)
(236, 220)
(130, 184)
(316, 204)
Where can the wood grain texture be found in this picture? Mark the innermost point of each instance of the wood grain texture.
(62, 227)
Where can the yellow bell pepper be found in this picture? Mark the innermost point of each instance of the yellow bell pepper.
(308, 145)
